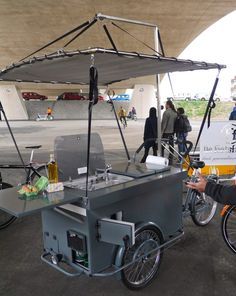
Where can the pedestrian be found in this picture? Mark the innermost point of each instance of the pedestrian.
(233, 114)
(150, 133)
(181, 128)
(167, 128)
(224, 194)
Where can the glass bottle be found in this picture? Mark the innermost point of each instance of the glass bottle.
(52, 170)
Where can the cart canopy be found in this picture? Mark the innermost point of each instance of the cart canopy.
(72, 67)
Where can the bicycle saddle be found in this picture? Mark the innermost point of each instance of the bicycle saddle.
(34, 147)
(198, 164)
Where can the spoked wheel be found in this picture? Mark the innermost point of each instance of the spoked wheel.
(5, 218)
(42, 171)
(228, 227)
(139, 274)
(203, 209)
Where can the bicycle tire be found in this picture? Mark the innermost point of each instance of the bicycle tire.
(135, 276)
(42, 170)
(5, 218)
(203, 209)
(228, 228)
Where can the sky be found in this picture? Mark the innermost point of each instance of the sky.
(217, 44)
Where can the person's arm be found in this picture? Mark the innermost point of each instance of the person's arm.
(224, 194)
(221, 193)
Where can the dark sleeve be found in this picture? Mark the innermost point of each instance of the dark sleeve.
(230, 117)
(146, 129)
(221, 193)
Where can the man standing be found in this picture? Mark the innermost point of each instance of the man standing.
(167, 128)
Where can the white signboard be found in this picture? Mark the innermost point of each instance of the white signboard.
(218, 143)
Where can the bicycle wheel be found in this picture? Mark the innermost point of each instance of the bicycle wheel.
(42, 171)
(5, 218)
(203, 208)
(228, 227)
(139, 274)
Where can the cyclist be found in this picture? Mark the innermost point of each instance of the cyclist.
(49, 112)
(122, 116)
(224, 194)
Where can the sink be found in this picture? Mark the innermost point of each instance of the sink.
(98, 182)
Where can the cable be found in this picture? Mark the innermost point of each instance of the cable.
(148, 46)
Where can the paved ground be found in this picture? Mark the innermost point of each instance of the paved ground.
(200, 264)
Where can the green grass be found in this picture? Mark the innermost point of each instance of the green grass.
(196, 109)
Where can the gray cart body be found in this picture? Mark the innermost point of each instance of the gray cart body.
(101, 224)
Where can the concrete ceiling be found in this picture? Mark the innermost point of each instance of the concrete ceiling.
(26, 25)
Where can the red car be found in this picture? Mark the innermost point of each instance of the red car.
(33, 96)
(101, 98)
(71, 96)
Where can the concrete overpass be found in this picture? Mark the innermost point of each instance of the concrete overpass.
(26, 25)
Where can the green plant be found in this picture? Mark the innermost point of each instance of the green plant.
(196, 109)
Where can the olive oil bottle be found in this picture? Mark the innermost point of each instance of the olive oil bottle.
(52, 170)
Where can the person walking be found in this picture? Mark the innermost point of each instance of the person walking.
(150, 133)
(181, 128)
(133, 113)
(167, 128)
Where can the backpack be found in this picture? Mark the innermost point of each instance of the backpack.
(182, 125)
(187, 125)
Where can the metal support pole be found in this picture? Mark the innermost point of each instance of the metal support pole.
(158, 98)
(101, 17)
(118, 124)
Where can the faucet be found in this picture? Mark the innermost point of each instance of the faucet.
(106, 170)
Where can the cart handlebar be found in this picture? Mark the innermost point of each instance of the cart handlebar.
(188, 144)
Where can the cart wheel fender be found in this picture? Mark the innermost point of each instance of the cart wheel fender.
(138, 227)
(224, 210)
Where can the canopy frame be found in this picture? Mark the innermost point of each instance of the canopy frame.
(61, 54)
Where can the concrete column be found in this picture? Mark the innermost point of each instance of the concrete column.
(143, 99)
(13, 103)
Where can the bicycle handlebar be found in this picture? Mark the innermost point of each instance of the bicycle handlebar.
(188, 145)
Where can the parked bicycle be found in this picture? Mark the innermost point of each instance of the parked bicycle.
(228, 222)
(199, 206)
(34, 171)
(132, 116)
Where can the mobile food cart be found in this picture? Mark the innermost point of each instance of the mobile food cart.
(117, 220)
